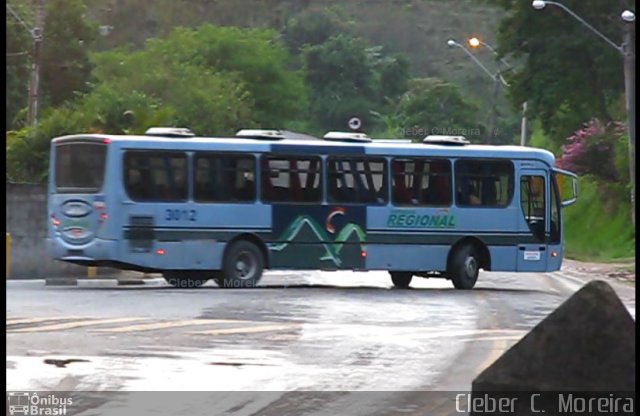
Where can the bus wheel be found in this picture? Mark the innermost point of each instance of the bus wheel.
(243, 265)
(184, 280)
(401, 279)
(464, 267)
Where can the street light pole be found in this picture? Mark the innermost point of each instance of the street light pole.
(627, 49)
(523, 126)
(630, 92)
(497, 79)
(474, 43)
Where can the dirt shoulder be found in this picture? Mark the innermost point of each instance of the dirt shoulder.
(625, 272)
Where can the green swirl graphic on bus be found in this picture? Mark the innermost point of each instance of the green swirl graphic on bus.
(411, 219)
(332, 248)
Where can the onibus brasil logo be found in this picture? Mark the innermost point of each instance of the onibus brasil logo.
(33, 404)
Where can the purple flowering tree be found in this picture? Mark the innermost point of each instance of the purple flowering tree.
(591, 151)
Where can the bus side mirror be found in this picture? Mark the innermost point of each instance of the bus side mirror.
(561, 175)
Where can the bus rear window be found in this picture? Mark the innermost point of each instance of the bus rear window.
(79, 167)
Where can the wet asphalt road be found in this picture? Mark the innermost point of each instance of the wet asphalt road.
(334, 332)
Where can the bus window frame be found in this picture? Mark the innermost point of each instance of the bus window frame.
(426, 159)
(288, 157)
(512, 181)
(184, 153)
(555, 190)
(78, 190)
(194, 155)
(352, 159)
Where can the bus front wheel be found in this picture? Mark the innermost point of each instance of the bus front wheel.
(401, 279)
(464, 267)
(243, 265)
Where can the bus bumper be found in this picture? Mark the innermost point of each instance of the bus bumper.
(96, 250)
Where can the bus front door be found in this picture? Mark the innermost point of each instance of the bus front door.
(532, 249)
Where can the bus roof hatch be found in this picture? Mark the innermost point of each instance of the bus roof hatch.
(273, 134)
(341, 136)
(169, 132)
(446, 140)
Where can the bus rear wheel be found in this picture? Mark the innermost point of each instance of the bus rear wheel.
(242, 267)
(464, 267)
(401, 280)
(184, 279)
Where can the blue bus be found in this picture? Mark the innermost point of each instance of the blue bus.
(226, 208)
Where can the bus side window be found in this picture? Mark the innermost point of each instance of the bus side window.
(156, 175)
(401, 194)
(220, 177)
(478, 181)
(286, 179)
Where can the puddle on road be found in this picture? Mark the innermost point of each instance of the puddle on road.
(63, 363)
(230, 364)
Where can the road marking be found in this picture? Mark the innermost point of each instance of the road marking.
(169, 324)
(497, 338)
(17, 321)
(249, 330)
(75, 324)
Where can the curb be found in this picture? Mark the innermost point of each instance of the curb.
(24, 283)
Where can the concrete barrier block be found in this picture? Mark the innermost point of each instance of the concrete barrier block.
(586, 344)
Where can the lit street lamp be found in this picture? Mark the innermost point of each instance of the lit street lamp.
(453, 43)
(627, 50)
(497, 78)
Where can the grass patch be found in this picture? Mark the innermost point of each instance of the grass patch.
(596, 229)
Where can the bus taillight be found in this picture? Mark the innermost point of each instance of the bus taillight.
(106, 141)
(102, 218)
(54, 221)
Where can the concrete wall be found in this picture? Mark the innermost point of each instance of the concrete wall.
(27, 224)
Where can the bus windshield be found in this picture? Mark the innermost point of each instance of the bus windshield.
(79, 167)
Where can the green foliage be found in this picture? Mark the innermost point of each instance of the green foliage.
(621, 158)
(598, 226)
(220, 79)
(539, 139)
(312, 28)
(126, 112)
(18, 49)
(68, 37)
(212, 80)
(434, 106)
(569, 74)
(348, 78)
(65, 67)
(28, 148)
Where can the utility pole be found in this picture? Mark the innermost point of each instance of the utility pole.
(34, 81)
(629, 51)
(494, 110)
(523, 126)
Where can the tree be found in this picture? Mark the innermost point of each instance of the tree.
(569, 74)
(18, 47)
(348, 78)
(68, 37)
(309, 29)
(251, 61)
(434, 106)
